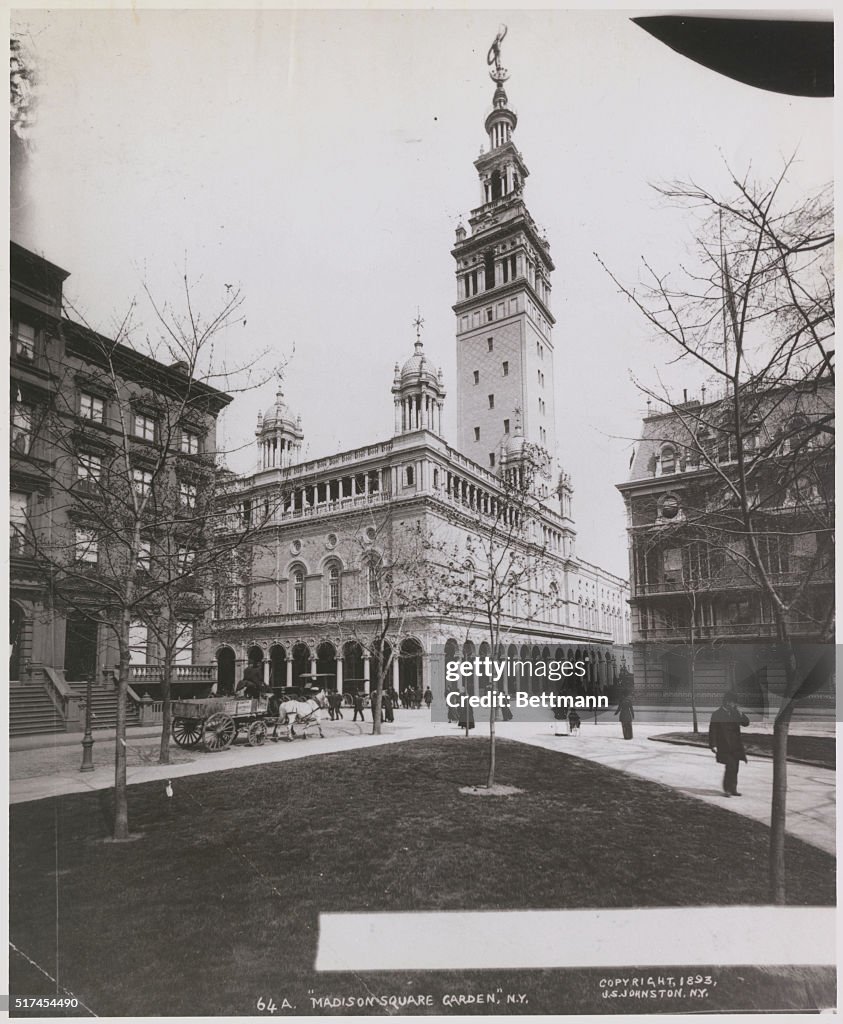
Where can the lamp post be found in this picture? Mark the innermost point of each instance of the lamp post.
(87, 739)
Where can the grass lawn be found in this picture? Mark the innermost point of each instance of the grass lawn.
(217, 903)
(815, 750)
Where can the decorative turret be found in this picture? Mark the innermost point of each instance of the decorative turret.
(418, 391)
(279, 434)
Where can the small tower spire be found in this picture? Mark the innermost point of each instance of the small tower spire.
(418, 323)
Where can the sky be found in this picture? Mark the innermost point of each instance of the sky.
(321, 161)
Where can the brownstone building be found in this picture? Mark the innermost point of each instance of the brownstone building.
(68, 410)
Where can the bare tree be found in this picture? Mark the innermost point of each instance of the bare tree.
(398, 582)
(754, 314)
(134, 491)
(506, 570)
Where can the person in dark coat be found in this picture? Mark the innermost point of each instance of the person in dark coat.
(387, 706)
(357, 701)
(724, 739)
(626, 713)
(335, 705)
(428, 697)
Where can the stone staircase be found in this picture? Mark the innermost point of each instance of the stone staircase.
(104, 706)
(31, 711)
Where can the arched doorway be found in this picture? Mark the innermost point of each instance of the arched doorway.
(301, 664)
(468, 655)
(352, 654)
(410, 666)
(226, 661)
(277, 665)
(326, 664)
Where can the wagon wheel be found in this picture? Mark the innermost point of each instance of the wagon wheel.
(219, 732)
(186, 732)
(256, 734)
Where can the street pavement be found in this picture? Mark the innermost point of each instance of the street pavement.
(52, 768)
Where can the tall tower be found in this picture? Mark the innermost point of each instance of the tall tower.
(504, 323)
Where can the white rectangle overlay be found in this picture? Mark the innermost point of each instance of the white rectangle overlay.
(536, 939)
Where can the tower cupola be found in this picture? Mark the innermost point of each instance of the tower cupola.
(418, 391)
(279, 434)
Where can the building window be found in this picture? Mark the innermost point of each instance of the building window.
(775, 553)
(492, 459)
(145, 556)
(489, 315)
(373, 581)
(18, 513)
(476, 376)
(409, 476)
(334, 592)
(506, 426)
(144, 426)
(23, 341)
(21, 433)
(142, 481)
(187, 494)
(298, 591)
(435, 477)
(668, 459)
(477, 433)
(87, 546)
(669, 506)
(189, 442)
(91, 407)
(186, 558)
(491, 343)
(505, 367)
(491, 401)
(89, 468)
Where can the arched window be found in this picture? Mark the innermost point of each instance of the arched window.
(334, 586)
(668, 457)
(297, 577)
(373, 581)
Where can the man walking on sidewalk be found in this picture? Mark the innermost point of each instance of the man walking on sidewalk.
(724, 738)
(358, 706)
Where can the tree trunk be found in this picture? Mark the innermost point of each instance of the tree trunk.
(781, 728)
(693, 659)
(376, 707)
(166, 711)
(121, 803)
(490, 780)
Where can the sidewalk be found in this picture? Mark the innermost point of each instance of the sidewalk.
(694, 772)
(52, 769)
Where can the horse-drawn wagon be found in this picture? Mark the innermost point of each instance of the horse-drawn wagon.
(215, 722)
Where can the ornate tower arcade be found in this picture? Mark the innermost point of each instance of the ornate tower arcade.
(504, 322)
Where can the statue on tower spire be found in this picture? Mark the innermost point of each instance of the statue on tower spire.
(500, 74)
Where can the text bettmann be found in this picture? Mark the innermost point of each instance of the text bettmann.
(494, 699)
